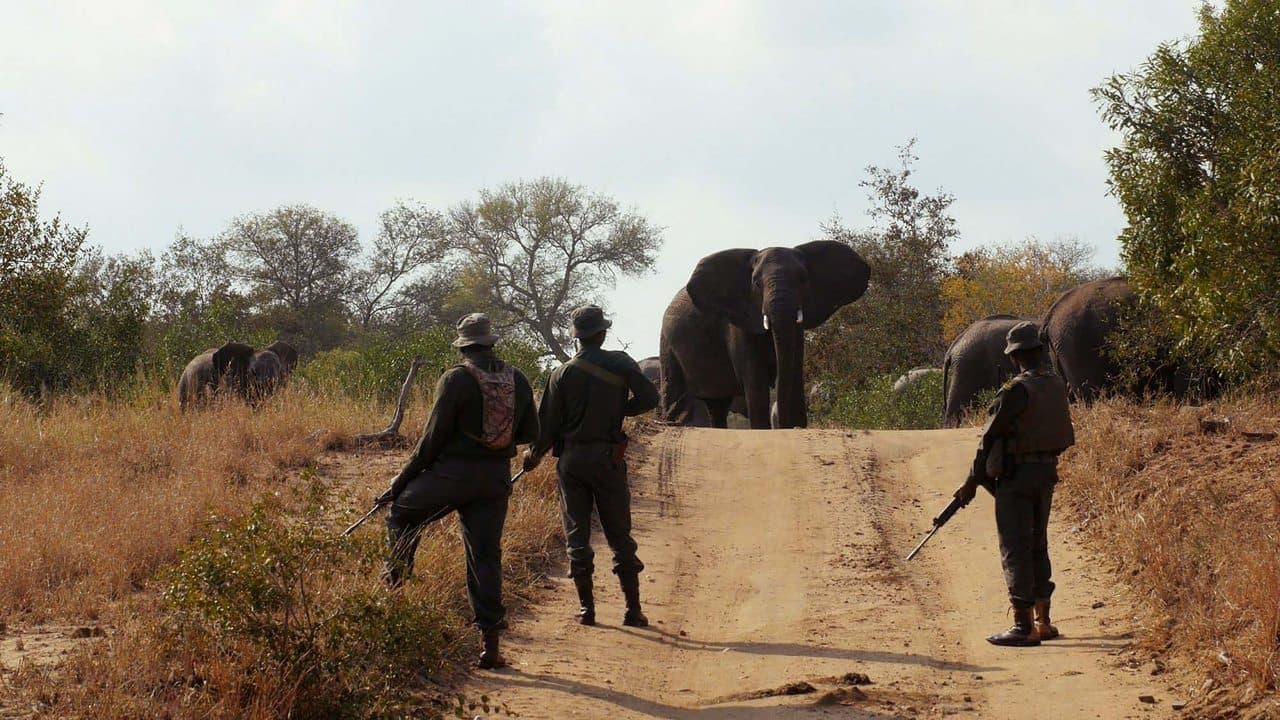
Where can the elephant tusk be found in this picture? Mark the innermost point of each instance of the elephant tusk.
(800, 316)
(765, 319)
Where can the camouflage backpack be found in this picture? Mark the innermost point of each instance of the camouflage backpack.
(498, 390)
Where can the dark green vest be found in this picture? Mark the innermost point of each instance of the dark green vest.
(1045, 426)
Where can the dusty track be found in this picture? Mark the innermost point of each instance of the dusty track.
(776, 557)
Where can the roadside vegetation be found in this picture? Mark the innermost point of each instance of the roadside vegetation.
(1189, 518)
(205, 546)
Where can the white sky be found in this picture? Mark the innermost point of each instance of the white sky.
(732, 124)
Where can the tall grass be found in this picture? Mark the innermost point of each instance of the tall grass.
(1193, 520)
(153, 522)
(99, 493)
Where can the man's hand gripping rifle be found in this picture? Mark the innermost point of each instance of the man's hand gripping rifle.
(963, 496)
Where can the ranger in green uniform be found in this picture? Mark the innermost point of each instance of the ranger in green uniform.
(483, 409)
(1029, 425)
(581, 415)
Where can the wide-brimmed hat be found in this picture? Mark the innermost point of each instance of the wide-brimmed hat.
(1023, 336)
(589, 320)
(474, 329)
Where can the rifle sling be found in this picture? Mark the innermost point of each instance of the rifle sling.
(598, 372)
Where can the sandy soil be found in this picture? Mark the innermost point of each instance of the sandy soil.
(776, 559)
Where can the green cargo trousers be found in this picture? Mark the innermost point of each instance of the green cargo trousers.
(1023, 500)
(478, 489)
(589, 478)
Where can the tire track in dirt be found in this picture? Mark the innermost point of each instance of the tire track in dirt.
(775, 569)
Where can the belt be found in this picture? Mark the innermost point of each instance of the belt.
(1028, 458)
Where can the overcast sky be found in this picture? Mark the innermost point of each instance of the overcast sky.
(731, 124)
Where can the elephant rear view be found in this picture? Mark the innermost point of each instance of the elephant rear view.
(975, 363)
(226, 367)
(737, 328)
(1077, 327)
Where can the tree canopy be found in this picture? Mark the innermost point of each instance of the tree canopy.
(543, 247)
(1198, 175)
(1020, 279)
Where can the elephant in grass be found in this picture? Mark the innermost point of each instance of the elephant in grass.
(737, 328)
(238, 369)
(223, 369)
(974, 363)
(288, 355)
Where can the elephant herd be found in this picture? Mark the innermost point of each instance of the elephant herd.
(733, 338)
(1076, 330)
(236, 369)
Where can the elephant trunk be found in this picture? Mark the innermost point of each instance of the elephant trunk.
(788, 344)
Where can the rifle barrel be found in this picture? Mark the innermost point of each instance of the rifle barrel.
(922, 542)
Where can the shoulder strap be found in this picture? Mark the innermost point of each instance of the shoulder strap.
(597, 372)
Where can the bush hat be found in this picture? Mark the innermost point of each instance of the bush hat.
(589, 320)
(1023, 336)
(474, 329)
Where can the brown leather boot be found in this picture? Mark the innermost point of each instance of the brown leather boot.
(631, 591)
(586, 600)
(1044, 628)
(490, 658)
(1022, 634)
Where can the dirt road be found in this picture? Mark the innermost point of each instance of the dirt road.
(775, 559)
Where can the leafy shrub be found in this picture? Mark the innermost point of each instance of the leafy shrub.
(377, 369)
(875, 406)
(296, 602)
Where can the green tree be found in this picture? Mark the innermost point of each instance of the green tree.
(1198, 175)
(299, 266)
(111, 313)
(37, 266)
(898, 322)
(544, 247)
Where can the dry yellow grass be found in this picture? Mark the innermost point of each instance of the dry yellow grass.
(1193, 520)
(97, 494)
(100, 498)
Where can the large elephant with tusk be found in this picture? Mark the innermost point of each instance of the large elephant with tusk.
(737, 328)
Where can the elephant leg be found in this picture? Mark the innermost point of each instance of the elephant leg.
(673, 401)
(719, 410)
(758, 408)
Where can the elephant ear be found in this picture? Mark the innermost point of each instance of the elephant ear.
(232, 355)
(287, 353)
(721, 286)
(837, 277)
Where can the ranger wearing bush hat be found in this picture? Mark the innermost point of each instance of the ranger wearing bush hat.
(583, 405)
(1029, 425)
(483, 409)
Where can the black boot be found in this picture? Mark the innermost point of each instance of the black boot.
(491, 658)
(631, 591)
(1022, 634)
(586, 600)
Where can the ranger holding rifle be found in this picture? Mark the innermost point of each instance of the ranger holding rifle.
(483, 409)
(581, 415)
(1030, 425)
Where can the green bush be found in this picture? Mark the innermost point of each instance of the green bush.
(873, 405)
(377, 368)
(304, 607)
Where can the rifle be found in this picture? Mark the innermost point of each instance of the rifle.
(443, 511)
(938, 522)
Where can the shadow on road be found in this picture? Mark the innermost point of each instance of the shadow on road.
(577, 689)
(811, 651)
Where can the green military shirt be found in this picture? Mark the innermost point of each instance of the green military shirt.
(578, 406)
(457, 417)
